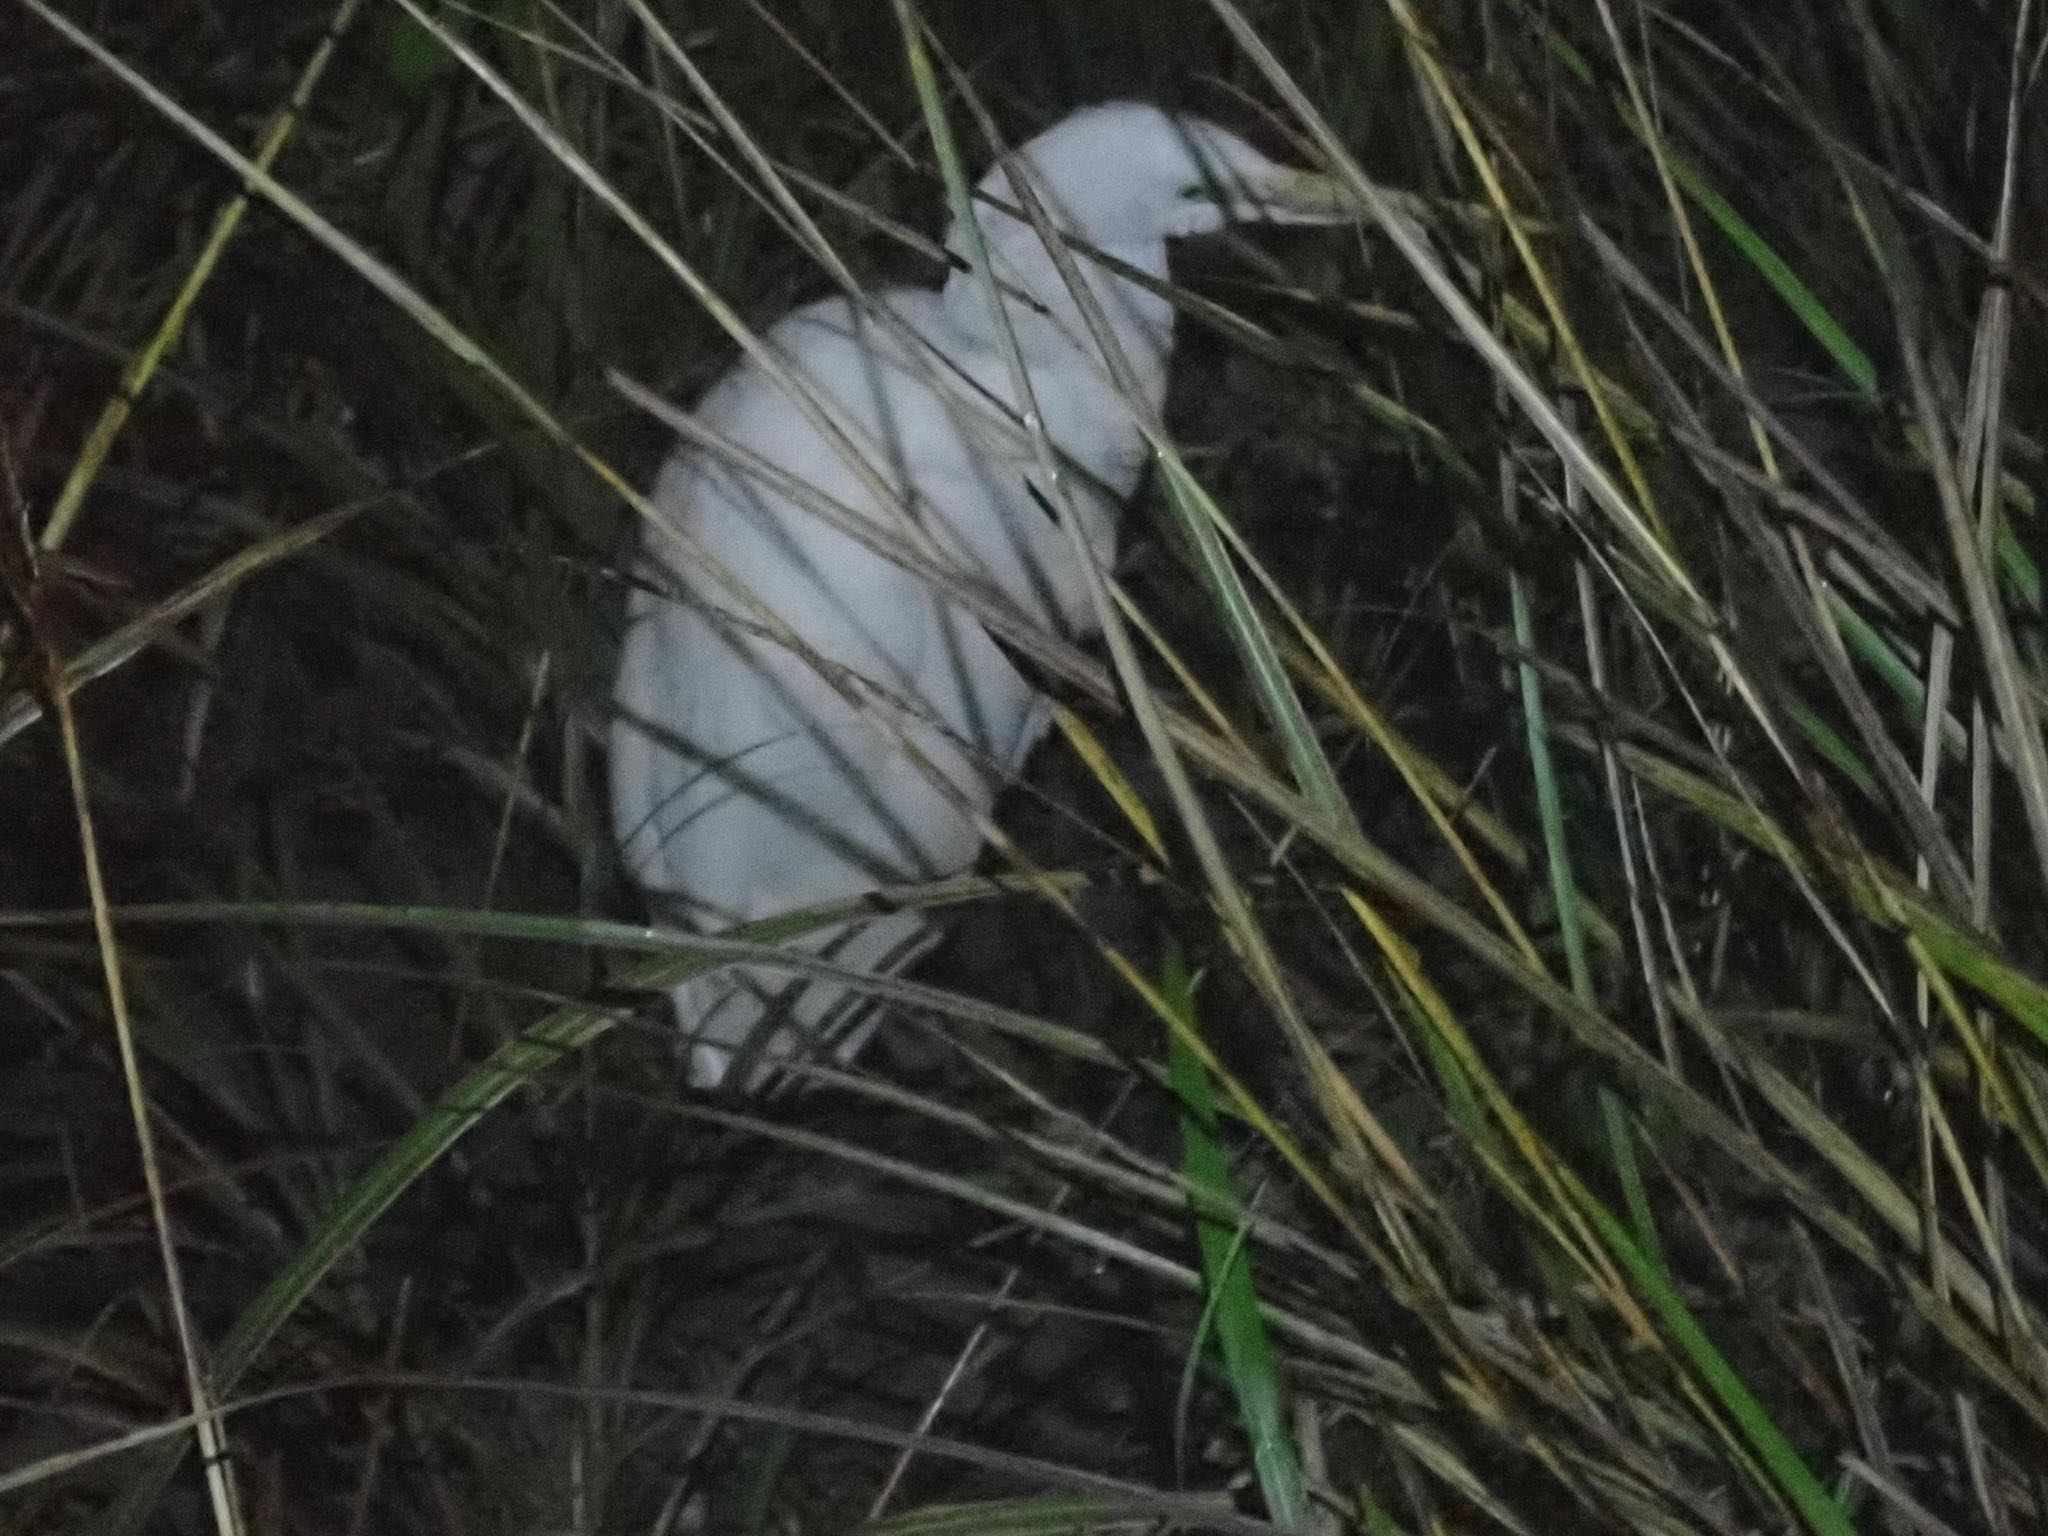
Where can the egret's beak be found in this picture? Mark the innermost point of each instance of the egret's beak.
(1292, 196)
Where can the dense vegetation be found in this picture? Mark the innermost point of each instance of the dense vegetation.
(1517, 1000)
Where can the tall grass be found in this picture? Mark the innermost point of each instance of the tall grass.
(1516, 999)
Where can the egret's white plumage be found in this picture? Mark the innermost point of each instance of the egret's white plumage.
(750, 778)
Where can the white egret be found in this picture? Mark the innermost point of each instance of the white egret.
(750, 778)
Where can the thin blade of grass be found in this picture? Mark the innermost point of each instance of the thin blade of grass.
(1822, 1512)
(1232, 1293)
(209, 1428)
(135, 378)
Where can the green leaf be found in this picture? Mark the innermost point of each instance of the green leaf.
(1226, 1265)
(1821, 1511)
(1851, 359)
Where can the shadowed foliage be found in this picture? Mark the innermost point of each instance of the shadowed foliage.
(1516, 999)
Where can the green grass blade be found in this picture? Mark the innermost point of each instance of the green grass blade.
(1853, 361)
(1550, 805)
(1821, 1511)
(1248, 1355)
(1310, 764)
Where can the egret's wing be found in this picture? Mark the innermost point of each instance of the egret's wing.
(745, 784)
(748, 781)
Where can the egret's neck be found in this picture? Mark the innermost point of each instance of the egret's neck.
(1050, 325)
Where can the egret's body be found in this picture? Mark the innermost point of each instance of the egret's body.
(753, 776)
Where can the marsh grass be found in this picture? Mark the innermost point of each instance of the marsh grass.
(1515, 999)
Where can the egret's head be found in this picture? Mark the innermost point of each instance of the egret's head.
(1125, 178)
(1128, 174)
